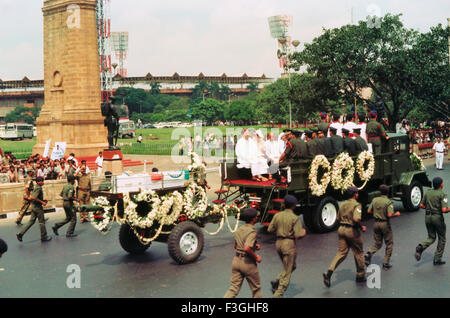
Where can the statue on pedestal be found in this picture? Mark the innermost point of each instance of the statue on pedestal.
(111, 122)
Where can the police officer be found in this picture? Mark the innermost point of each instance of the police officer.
(435, 204)
(29, 185)
(337, 143)
(349, 218)
(375, 132)
(84, 192)
(288, 228)
(382, 209)
(3, 247)
(349, 143)
(37, 212)
(361, 144)
(244, 262)
(68, 195)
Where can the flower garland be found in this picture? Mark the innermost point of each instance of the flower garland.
(132, 216)
(343, 163)
(171, 208)
(417, 162)
(102, 219)
(224, 210)
(316, 188)
(365, 175)
(192, 207)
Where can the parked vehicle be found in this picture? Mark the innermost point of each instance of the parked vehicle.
(16, 131)
(127, 128)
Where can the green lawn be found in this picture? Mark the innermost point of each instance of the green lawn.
(156, 141)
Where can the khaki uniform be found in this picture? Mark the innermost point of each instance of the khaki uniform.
(84, 193)
(67, 193)
(243, 265)
(286, 225)
(434, 201)
(37, 212)
(349, 237)
(29, 185)
(381, 207)
(375, 131)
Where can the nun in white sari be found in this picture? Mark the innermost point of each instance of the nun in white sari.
(259, 166)
(249, 157)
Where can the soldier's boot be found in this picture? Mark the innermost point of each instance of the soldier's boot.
(438, 262)
(274, 285)
(386, 266)
(19, 237)
(55, 230)
(327, 278)
(419, 251)
(368, 258)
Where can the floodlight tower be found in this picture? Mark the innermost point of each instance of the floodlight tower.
(120, 47)
(104, 46)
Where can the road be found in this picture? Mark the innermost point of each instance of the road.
(34, 269)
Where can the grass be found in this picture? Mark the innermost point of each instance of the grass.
(156, 141)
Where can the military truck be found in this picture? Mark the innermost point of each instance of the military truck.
(393, 167)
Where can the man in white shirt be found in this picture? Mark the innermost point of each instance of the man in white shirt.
(99, 163)
(438, 149)
(350, 124)
(362, 125)
(72, 157)
(273, 152)
(336, 124)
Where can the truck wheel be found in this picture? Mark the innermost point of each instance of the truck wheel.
(130, 242)
(185, 242)
(413, 196)
(324, 218)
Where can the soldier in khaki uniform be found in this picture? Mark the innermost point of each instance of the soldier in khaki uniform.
(375, 132)
(382, 209)
(37, 212)
(288, 228)
(68, 195)
(435, 203)
(84, 192)
(244, 262)
(349, 217)
(29, 185)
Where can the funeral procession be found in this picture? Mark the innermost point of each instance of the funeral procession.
(325, 177)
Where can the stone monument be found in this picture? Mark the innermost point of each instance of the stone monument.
(71, 112)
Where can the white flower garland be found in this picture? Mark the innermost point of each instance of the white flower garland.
(133, 217)
(105, 225)
(417, 161)
(365, 175)
(342, 163)
(196, 162)
(174, 202)
(191, 191)
(316, 188)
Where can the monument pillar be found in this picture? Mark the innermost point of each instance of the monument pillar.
(71, 111)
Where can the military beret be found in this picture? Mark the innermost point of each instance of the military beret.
(345, 130)
(39, 179)
(70, 177)
(361, 115)
(308, 133)
(357, 130)
(249, 214)
(333, 128)
(108, 173)
(351, 191)
(437, 182)
(297, 133)
(3, 247)
(290, 200)
(383, 188)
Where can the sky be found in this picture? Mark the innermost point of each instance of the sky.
(208, 36)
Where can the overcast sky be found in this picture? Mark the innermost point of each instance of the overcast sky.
(209, 36)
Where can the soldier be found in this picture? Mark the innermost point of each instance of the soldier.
(68, 195)
(382, 209)
(361, 144)
(300, 149)
(106, 184)
(29, 185)
(349, 218)
(375, 132)
(288, 228)
(244, 262)
(337, 143)
(84, 192)
(323, 125)
(325, 144)
(37, 212)
(349, 143)
(313, 147)
(3, 247)
(435, 204)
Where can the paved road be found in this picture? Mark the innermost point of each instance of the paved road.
(34, 269)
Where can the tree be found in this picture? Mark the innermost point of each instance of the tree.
(253, 86)
(23, 114)
(241, 111)
(398, 64)
(155, 88)
(209, 110)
